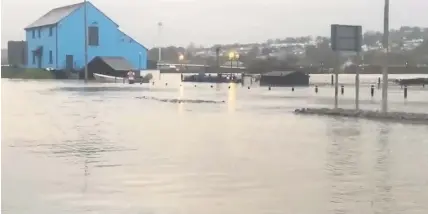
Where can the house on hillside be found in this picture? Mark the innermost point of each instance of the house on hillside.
(56, 40)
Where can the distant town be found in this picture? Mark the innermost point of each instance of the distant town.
(408, 47)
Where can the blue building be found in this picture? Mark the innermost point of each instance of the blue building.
(56, 40)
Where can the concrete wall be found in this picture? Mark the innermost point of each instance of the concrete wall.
(17, 53)
(4, 58)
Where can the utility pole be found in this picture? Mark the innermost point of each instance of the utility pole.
(86, 39)
(357, 82)
(159, 41)
(385, 60)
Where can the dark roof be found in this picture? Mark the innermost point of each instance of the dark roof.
(117, 63)
(57, 14)
(278, 73)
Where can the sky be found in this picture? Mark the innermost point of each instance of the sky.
(208, 22)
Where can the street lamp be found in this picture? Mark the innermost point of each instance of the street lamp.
(160, 25)
(180, 59)
(231, 57)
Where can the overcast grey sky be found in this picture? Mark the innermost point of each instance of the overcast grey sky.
(209, 22)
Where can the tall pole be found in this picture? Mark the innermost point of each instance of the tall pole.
(217, 55)
(385, 60)
(139, 61)
(86, 39)
(159, 42)
(357, 82)
(336, 80)
(231, 61)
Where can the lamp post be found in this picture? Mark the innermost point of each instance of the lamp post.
(231, 56)
(180, 59)
(385, 60)
(139, 61)
(160, 24)
(217, 54)
(85, 25)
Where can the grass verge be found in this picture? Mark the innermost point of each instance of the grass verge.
(25, 73)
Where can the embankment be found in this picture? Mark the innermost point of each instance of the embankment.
(25, 73)
(394, 116)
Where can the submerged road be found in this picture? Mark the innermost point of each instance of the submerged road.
(66, 149)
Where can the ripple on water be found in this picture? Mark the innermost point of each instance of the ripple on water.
(100, 89)
(191, 185)
(125, 155)
(180, 100)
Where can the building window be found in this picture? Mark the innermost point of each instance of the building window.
(34, 58)
(50, 31)
(34, 33)
(50, 57)
(93, 36)
(39, 32)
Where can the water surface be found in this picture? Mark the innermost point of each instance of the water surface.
(70, 148)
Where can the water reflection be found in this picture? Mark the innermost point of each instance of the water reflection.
(343, 166)
(231, 104)
(218, 86)
(68, 152)
(101, 88)
(383, 200)
(180, 97)
(85, 176)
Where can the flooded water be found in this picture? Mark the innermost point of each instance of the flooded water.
(113, 148)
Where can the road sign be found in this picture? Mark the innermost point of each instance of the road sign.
(346, 38)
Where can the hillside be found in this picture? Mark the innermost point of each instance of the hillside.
(407, 45)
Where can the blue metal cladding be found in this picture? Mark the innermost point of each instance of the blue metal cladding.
(68, 39)
(46, 41)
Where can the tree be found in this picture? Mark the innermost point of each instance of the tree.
(266, 51)
(371, 38)
(321, 53)
(420, 53)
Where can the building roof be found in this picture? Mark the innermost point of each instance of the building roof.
(55, 15)
(125, 34)
(116, 63)
(278, 73)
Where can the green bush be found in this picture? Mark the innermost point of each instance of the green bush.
(25, 73)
